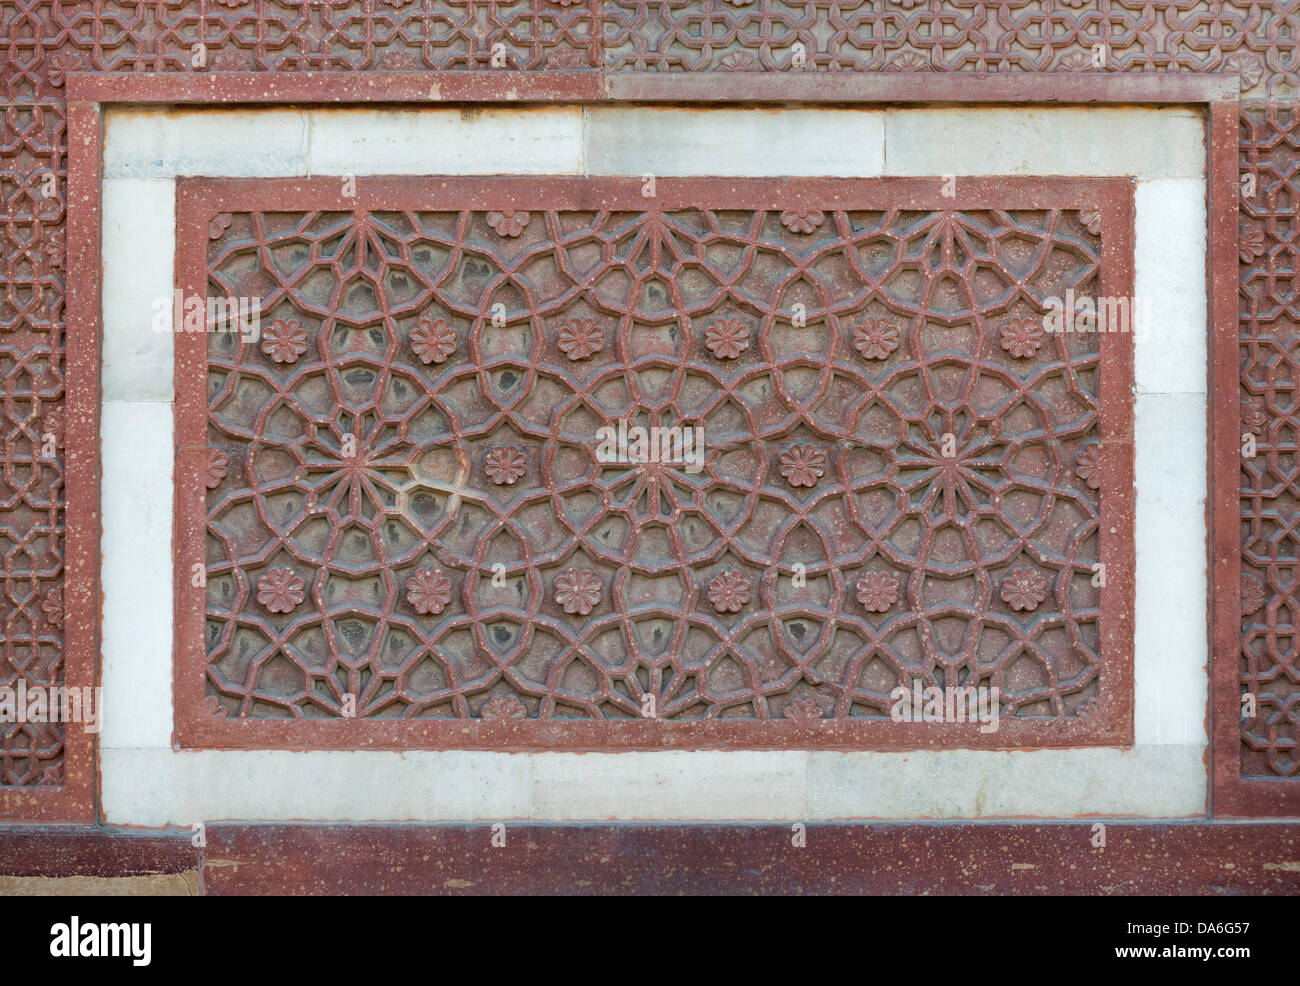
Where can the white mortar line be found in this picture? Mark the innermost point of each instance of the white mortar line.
(585, 149)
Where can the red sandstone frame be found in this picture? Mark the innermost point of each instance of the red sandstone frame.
(202, 721)
(89, 94)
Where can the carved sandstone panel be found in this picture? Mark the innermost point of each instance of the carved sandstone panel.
(1253, 40)
(885, 472)
(1270, 429)
(32, 170)
(42, 42)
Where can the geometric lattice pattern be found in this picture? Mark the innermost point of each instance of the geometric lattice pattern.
(1253, 39)
(31, 547)
(45, 40)
(1270, 401)
(408, 511)
(41, 42)
(32, 175)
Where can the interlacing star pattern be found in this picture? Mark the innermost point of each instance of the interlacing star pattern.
(1270, 362)
(43, 42)
(405, 477)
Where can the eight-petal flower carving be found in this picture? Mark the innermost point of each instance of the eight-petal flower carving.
(429, 591)
(503, 707)
(1250, 243)
(508, 222)
(229, 61)
(907, 61)
(566, 58)
(875, 338)
(577, 590)
(581, 338)
(54, 249)
(433, 340)
(52, 428)
(1252, 595)
(1248, 69)
(52, 606)
(803, 710)
(802, 222)
(738, 61)
(729, 591)
(727, 338)
(877, 591)
(1024, 589)
(1075, 61)
(219, 224)
(218, 465)
(285, 340)
(280, 590)
(63, 63)
(397, 61)
(1022, 337)
(1253, 417)
(505, 464)
(803, 465)
(1087, 465)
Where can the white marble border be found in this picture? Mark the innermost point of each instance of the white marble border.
(146, 782)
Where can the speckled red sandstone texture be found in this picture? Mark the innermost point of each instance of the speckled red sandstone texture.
(91, 132)
(822, 447)
(988, 51)
(952, 858)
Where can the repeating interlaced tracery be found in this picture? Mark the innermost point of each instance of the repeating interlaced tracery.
(883, 416)
(42, 42)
